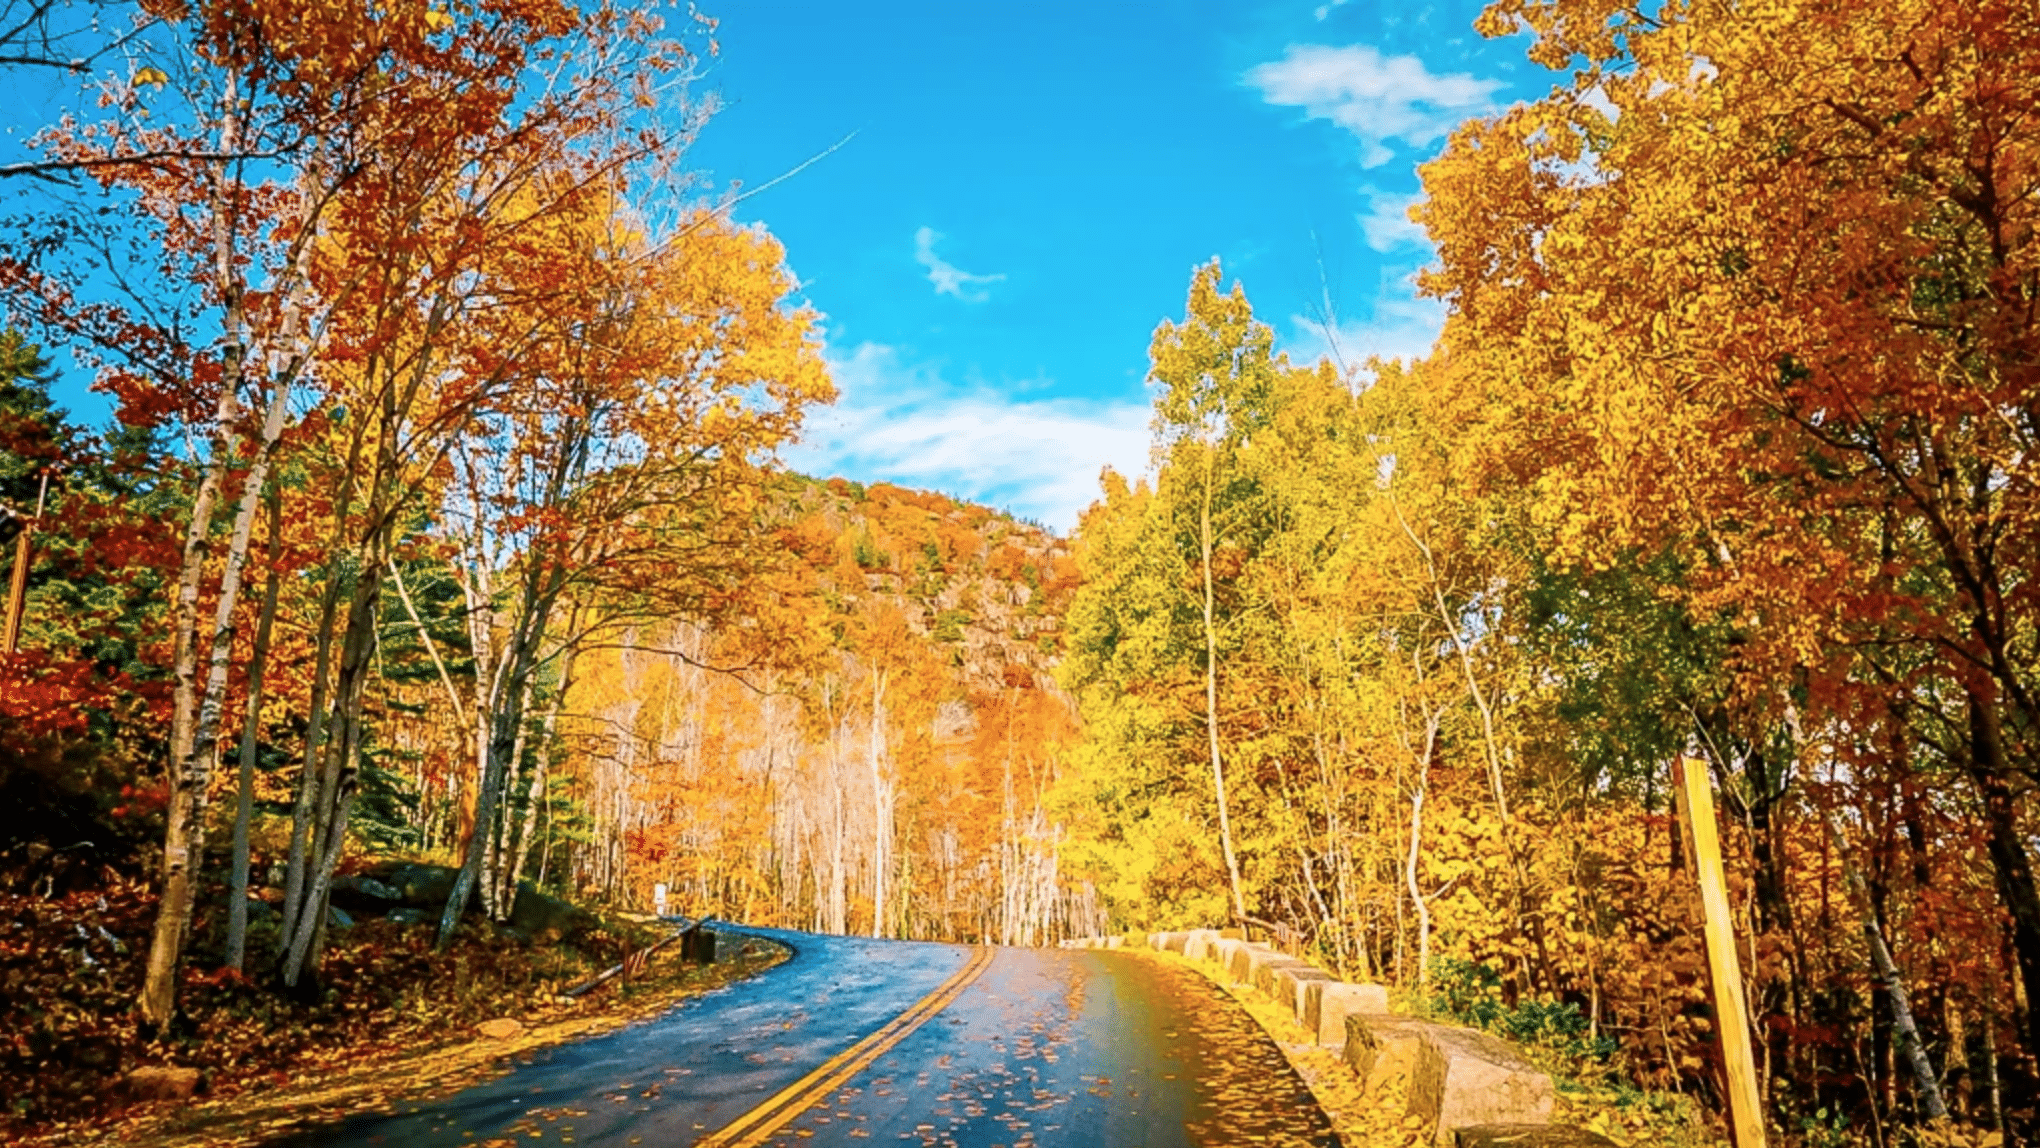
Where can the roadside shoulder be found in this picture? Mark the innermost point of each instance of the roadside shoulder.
(381, 1083)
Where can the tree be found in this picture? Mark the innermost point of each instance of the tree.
(1749, 297)
(623, 475)
(1218, 369)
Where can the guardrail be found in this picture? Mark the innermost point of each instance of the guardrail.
(633, 963)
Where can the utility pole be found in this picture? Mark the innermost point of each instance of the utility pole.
(17, 586)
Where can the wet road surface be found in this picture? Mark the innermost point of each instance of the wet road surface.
(845, 1045)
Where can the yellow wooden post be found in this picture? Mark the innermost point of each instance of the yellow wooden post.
(1731, 1015)
(17, 581)
(17, 590)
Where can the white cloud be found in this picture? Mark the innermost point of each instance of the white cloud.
(1398, 329)
(1596, 98)
(1378, 98)
(1038, 458)
(948, 278)
(1386, 223)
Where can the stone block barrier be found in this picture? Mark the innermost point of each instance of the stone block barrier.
(1472, 1090)
(1464, 1078)
(1289, 986)
(1327, 1004)
(1382, 1050)
(1265, 972)
(1260, 966)
(1224, 950)
(1239, 963)
(1530, 1136)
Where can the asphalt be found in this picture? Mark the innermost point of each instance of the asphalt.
(1045, 1047)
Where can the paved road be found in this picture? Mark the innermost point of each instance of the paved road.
(1030, 1047)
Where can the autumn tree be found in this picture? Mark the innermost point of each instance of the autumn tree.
(1217, 369)
(624, 476)
(1776, 279)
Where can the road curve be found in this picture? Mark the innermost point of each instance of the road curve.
(857, 1042)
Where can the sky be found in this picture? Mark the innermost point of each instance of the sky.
(1017, 196)
(1026, 189)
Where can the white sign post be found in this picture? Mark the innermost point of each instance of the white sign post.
(659, 900)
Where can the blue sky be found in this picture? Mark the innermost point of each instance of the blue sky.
(1026, 189)
(1029, 187)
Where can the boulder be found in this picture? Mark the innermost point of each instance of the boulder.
(1289, 982)
(1175, 942)
(1199, 944)
(406, 915)
(161, 1082)
(1327, 1004)
(365, 894)
(1114, 942)
(338, 918)
(501, 1028)
(1464, 1078)
(1530, 1136)
(1383, 1049)
(544, 917)
(420, 886)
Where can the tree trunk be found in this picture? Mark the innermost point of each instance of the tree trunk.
(1410, 876)
(495, 862)
(189, 771)
(535, 799)
(838, 911)
(2009, 860)
(331, 625)
(1891, 986)
(541, 588)
(504, 729)
(339, 772)
(1925, 1083)
(1205, 548)
(244, 798)
(881, 821)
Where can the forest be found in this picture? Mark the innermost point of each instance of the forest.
(443, 519)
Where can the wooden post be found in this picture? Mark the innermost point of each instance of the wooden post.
(17, 583)
(1731, 1014)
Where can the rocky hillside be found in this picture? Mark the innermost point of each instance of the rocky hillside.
(985, 586)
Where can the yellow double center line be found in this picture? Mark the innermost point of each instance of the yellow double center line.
(753, 1127)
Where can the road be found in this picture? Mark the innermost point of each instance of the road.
(857, 1042)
